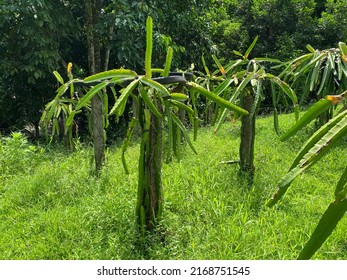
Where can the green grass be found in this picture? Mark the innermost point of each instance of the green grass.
(51, 207)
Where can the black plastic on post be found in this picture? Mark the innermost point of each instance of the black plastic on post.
(174, 77)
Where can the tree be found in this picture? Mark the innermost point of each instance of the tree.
(114, 14)
(318, 74)
(284, 27)
(157, 99)
(180, 25)
(331, 24)
(33, 33)
(252, 82)
(93, 10)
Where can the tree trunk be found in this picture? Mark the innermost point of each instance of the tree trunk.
(108, 47)
(209, 114)
(247, 135)
(150, 201)
(37, 130)
(93, 9)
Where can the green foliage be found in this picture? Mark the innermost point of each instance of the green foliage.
(174, 28)
(325, 227)
(246, 81)
(17, 155)
(54, 210)
(312, 151)
(317, 109)
(153, 98)
(33, 33)
(28, 45)
(318, 74)
(332, 23)
(59, 114)
(322, 72)
(234, 79)
(217, 27)
(284, 27)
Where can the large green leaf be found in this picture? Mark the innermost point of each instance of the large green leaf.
(182, 106)
(233, 65)
(339, 68)
(315, 74)
(219, 65)
(341, 187)
(178, 122)
(119, 106)
(169, 123)
(110, 74)
(155, 85)
(294, 64)
(207, 71)
(70, 118)
(89, 95)
(250, 48)
(223, 86)
(319, 148)
(105, 110)
(49, 111)
(286, 89)
(149, 47)
(274, 104)
(306, 67)
(267, 59)
(58, 77)
(325, 227)
(221, 120)
(316, 136)
(168, 61)
(62, 89)
(311, 114)
(237, 53)
(130, 131)
(149, 102)
(242, 86)
(215, 98)
(343, 48)
(310, 48)
(324, 79)
(178, 96)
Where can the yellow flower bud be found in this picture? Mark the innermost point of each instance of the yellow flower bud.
(69, 66)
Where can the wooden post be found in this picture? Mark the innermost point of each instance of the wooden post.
(93, 9)
(247, 135)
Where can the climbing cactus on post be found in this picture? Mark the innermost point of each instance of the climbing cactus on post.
(157, 106)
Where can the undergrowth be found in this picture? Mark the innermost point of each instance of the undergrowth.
(52, 207)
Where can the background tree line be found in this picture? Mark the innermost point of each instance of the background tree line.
(41, 36)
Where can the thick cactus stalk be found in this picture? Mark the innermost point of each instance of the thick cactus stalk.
(149, 201)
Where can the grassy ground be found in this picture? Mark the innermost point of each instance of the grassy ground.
(51, 207)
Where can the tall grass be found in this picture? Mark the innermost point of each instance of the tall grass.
(51, 207)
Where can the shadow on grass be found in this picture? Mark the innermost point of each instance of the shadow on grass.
(146, 244)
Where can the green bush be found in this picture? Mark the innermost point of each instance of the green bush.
(16, 154)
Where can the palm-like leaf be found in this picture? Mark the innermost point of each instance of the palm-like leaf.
(320, 72)
(319, 147)
(312, 151)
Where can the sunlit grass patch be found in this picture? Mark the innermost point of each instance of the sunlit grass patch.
(59, 210)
